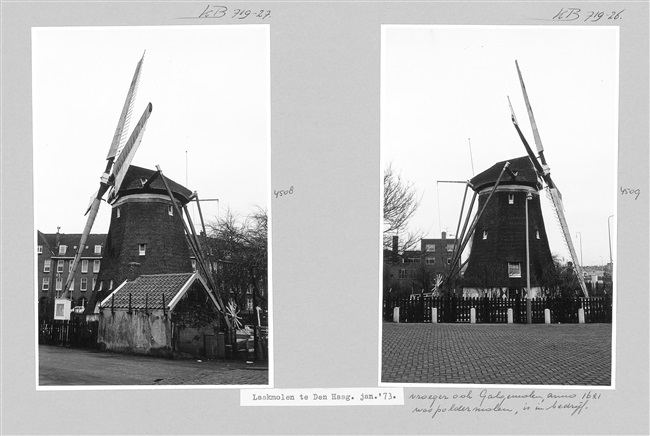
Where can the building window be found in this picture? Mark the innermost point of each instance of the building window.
(430, 247)
(46, 283)
(537, 234)
(101, 285)
(484, 234)
(39, 249)
(70, 266)
(170, 210)
(71, 286)
(430, 260)
(511, 198)
(514, 269)
(193, 264)
(413, 260)
(83, 285)
(118, 212)
(59, 266)
(96, 266)
(402, 274)
(59, 283)
(110, 285)
(98, 249)
(46, 265)
(142, 249)
(449, 261)
(84, 266)
(62, 249)
(413, 272)
(450, 248)
(94, 283)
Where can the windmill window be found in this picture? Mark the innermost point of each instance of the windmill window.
(142, 249)
(46, 283)
(59, 283)
(39, 249)
(143, 181)
(511, 198)
(47, 265)
(537, 234)
(83, 285)
(84, 266)
(62, 249)
(430, 260)
(484, 234)
(110, 285)
(514, 269)
(118, 212)
(98, 249)
(402, 274)
(59, 265)
(96, 264)
(170, 210)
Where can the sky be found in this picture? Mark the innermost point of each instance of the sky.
(209, 129)
(445, 92)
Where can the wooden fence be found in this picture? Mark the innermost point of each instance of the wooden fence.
(73, 333)
(495, 310)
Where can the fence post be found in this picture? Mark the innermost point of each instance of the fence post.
(434, 315)
(581, 316)
(396, 314)
(510, 315)
(472, 315)
(547, 316)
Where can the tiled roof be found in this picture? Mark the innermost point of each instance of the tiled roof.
(522, 166)
(147, 291)
(71, 240)
(132, 183)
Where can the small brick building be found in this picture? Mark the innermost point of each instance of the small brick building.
(160, 315)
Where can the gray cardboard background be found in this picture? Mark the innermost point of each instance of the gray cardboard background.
(325, 60)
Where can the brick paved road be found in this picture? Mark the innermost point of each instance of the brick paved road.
(567, 354)
(76, 367)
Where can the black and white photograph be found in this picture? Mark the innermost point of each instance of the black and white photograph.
(499, 159)
(151, 175)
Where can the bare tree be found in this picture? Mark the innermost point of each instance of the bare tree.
(400, 204)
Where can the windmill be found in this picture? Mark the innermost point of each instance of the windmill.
(147, 232)
(544, 174)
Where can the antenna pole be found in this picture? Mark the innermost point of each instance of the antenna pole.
(471, 158)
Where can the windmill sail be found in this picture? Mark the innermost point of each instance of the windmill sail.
(545, 174)
(108, 176)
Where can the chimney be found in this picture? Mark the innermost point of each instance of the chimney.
(444, 235)
(395, 248)
(134, 271)
(58, 237)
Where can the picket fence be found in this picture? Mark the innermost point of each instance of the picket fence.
(495, 310)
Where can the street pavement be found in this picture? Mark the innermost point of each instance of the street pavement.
(538, 354)
(60, 366)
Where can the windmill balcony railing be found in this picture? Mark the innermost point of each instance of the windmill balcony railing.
(495, 310)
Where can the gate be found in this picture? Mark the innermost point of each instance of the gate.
(73, 333)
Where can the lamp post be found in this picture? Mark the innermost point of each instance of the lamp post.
(578, 234)
(609, 238)
(529, 316)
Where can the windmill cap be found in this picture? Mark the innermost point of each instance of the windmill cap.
(521, 166)
(132, 184)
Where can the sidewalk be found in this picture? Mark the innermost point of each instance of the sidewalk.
(60, 366)
(567, 354)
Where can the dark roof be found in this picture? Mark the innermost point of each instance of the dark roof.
(132, 184)
(72, 242)
(522, 166)
(147, 291)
